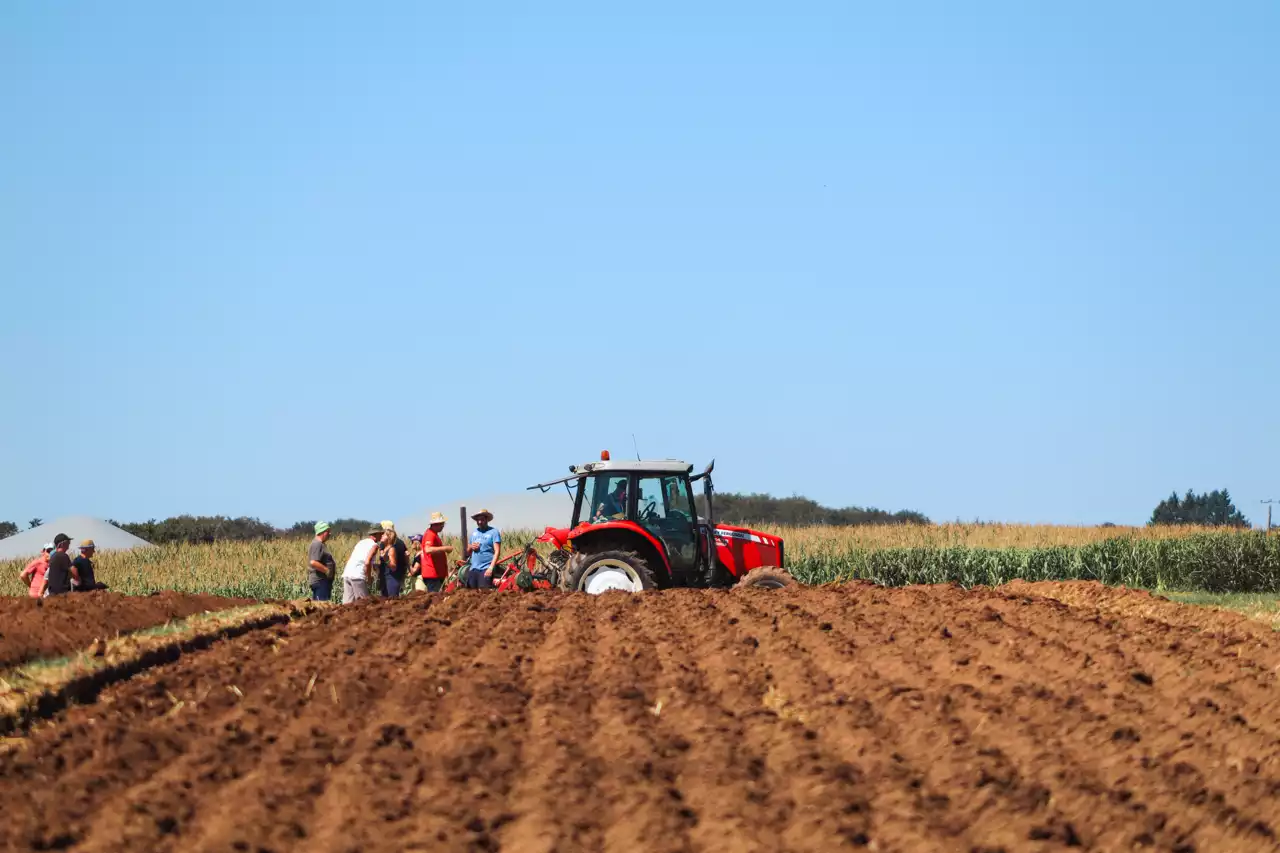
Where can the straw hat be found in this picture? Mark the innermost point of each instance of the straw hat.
(87, 545)
(438, 518)
(483, 512)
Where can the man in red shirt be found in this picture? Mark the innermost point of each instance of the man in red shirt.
(435, 565)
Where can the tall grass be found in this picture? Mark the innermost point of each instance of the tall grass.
(1156, 558)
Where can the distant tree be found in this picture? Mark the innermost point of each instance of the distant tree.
(349, 525)
(1107, 524)
(338, 525)
(7, 529)
(217, 528)
(736, 508)
(1211, 509)
(34, 523)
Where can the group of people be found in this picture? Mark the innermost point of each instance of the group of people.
(54, 572)
(383, 557)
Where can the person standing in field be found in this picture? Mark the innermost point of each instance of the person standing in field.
(485, 548)
(360, 565)
(434, 565)
(321, 567)
(393, 564)
(58, 577)
(415, 548)
(85, 579)
(33, 574)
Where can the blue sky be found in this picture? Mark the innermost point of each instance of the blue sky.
(295, 260)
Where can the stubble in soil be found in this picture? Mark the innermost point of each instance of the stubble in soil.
(33, 628)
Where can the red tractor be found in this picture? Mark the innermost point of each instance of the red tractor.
(635, 526)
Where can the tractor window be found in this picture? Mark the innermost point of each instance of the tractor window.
(605, 498)
(664, 509)
(678, 504)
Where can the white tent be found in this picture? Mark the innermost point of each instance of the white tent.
(107, 537)
(528, 511)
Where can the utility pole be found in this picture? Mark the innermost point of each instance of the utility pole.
(1269, 502)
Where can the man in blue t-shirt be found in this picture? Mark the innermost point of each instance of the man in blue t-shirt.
(485, 549)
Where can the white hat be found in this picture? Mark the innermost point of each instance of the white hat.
(48, 546)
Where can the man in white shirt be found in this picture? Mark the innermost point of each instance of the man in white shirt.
(359, 570)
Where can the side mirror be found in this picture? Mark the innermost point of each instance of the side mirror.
(706, 473)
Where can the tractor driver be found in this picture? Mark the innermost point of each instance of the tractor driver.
(615, 503)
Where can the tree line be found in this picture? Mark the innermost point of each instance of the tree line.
(1210, 509)
(217, 528)
(211, 528)
(737, 508)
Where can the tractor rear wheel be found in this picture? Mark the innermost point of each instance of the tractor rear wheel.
(766, 577)
(608, 570)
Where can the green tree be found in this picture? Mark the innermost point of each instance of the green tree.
(733, 508)
(34, 523)
(7, 529)
(1211, 509)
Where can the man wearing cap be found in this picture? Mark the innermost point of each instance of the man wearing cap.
(321, 566)
(33, 574)
(485, 548)
(434, 566)
(359, 570)
(57, 578)
(84, 580)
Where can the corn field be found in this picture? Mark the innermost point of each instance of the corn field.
(1172, 558)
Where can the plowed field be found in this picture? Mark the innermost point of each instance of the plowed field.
(926, 718)
(51, 627)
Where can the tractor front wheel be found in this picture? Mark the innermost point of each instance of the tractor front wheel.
(766, 577)
(608, 570)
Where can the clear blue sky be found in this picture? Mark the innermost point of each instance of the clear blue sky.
(299, 259)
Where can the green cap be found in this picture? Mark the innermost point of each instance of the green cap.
(321, 527)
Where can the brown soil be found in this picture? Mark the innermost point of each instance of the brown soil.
(925, 718)
(32, 628)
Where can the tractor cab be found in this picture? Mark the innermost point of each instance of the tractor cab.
(635, 526)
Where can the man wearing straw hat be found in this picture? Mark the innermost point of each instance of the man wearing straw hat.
(434, 567)
(485, 548)
(321, 567)
(84, 579)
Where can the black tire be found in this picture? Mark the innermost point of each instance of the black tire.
(582, 567)
(766, 577)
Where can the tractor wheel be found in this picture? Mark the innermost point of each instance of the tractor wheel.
(607, 570)
(766, 577)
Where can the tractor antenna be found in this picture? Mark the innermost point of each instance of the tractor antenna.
(635, 446)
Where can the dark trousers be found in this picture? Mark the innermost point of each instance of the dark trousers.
(477, 580)
(391, 585)
(322, 589)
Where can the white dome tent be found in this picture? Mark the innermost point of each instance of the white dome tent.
(106, 537)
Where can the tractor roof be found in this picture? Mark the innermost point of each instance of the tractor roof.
(662, 466)
(627, 466)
